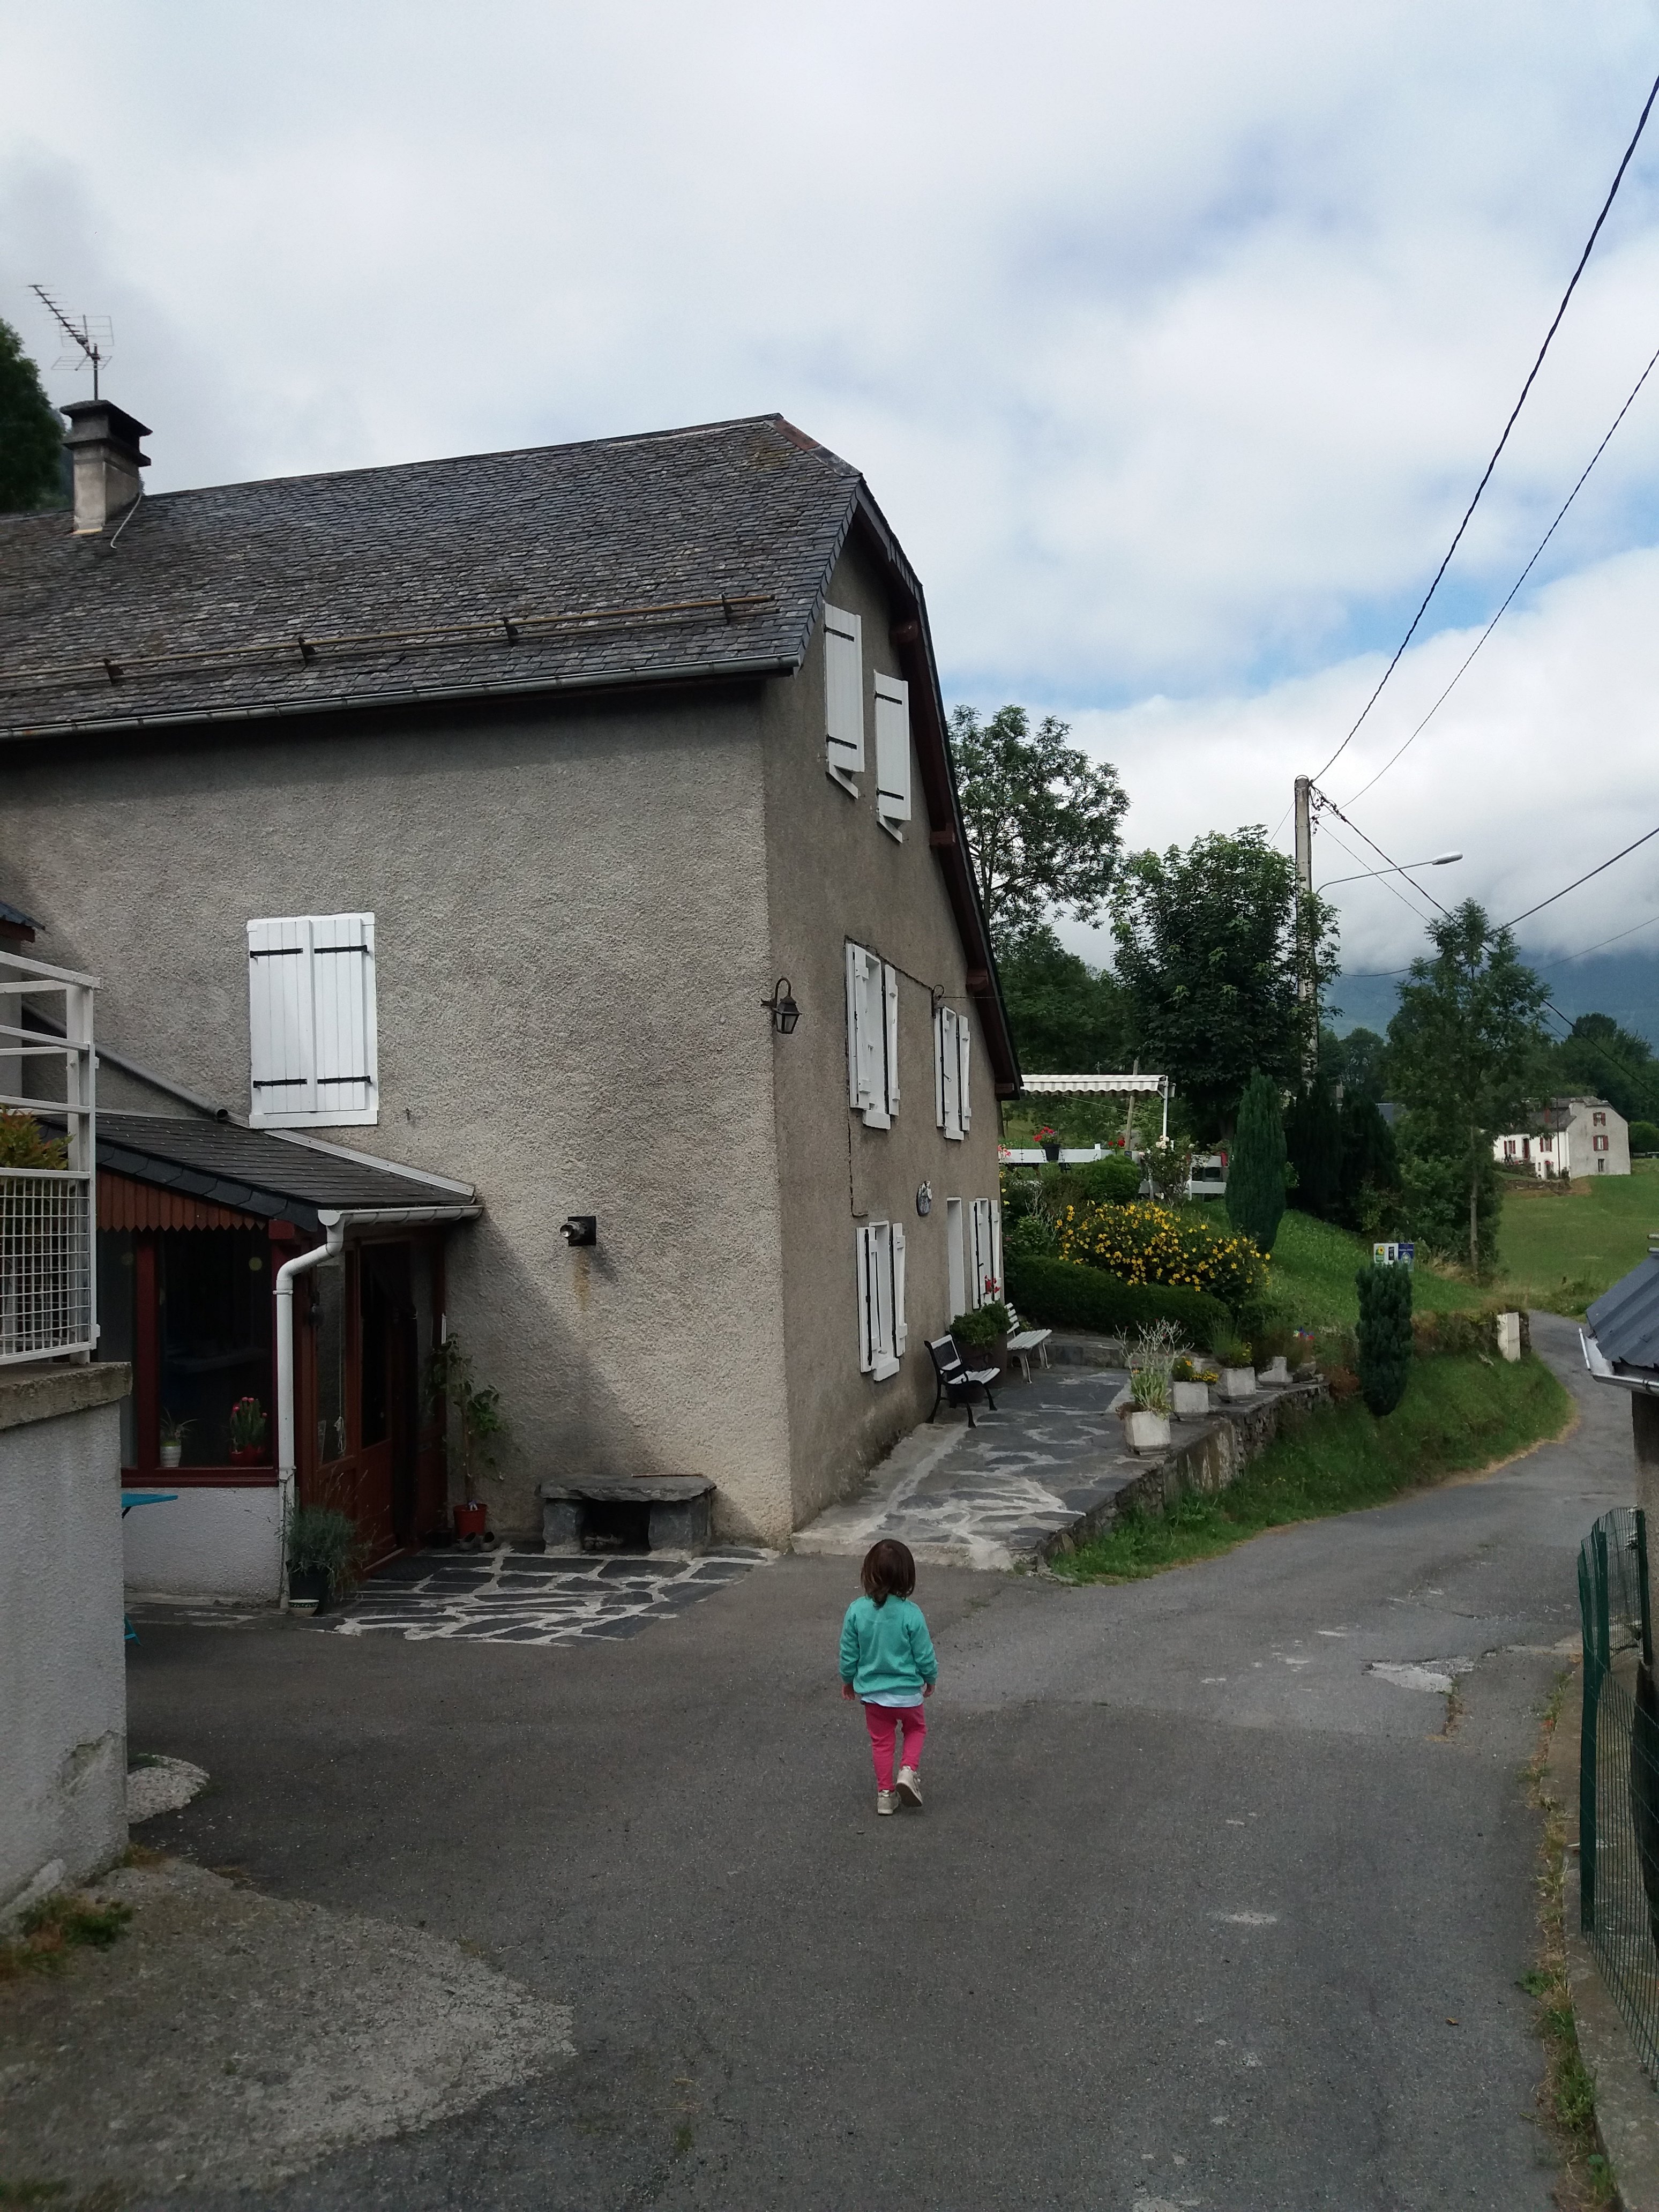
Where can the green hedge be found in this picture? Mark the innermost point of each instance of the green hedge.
(1060, 1294)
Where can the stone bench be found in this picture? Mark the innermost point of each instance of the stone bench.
(627, 1512)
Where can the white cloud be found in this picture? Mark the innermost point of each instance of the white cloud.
(1171, 341)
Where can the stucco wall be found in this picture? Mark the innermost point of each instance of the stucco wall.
(571, 939)
(835, 873)
(206, 1543)
(63, 1716)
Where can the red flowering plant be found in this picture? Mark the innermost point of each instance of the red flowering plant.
(1046, 1136)
(247, 1424)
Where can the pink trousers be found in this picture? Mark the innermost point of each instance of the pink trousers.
(882, 1723)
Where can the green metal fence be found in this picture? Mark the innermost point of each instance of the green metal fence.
(1618, 1773)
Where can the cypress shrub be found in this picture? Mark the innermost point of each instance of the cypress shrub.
(1384, 1335)
(1313, 1136)
(1061, 1294)
(1255, 1165)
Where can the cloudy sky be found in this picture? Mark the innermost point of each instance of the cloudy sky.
(1171, 340)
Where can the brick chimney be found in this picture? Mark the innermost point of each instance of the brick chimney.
(103, 444)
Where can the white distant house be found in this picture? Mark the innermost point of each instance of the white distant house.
(1579, 1137)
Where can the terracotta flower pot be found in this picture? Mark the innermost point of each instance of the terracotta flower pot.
(247, 1454)
(470, 1518)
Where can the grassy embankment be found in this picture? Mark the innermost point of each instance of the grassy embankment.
(1458, 1413)
(1561, 1250)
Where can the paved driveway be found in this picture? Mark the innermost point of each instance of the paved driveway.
(1203, 1911)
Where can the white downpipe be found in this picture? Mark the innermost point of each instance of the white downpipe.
(286, 1462)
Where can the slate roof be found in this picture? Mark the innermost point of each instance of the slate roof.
(256, 1170)
(15, 917)
(1625, 1321)
(684, 553)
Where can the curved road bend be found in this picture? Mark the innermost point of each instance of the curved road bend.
(1203, 1912)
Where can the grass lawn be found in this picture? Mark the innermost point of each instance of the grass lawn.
(1311, 1272)
(1456, 1414)
(1562, 1249)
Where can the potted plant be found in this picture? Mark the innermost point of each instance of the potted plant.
(477, 1409)
(1151, 1367)
(172, 1438)
(1190, 1389)
(1234, 1357)
(322, 1550)
(981, 1334)
(1049, 1141)
(247, 1434)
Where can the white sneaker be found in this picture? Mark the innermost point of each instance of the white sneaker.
(886, 1801)
(908, 1787)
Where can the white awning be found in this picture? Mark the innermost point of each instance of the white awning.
(1105, 1086)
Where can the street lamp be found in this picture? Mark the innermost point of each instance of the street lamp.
(1440, 860)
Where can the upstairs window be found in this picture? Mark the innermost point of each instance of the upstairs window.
(882, 1330)
(892, 755)
(1600, 1121)
(1600, 1143)
(952, 1041)
(313, 1045)
(843, 697)
(873, 1082)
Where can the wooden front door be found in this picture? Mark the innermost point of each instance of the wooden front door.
(365, 1393)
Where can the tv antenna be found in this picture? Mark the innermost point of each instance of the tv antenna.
(91, 337)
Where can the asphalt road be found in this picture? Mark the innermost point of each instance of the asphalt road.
(1201, 1912)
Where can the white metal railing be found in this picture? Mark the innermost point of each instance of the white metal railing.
(48, 1215)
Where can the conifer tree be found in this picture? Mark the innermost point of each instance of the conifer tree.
(31, 434)
(1384, 1335)
(1255, 1164)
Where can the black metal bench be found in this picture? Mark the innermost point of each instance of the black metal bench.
(628, 1512)
(956, 1381)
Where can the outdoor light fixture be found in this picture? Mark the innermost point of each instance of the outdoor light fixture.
(782, 1005)
(580, 1229)
(1440, 860)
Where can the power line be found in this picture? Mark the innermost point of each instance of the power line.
(1516, 586)
(1600, 869)
(1584, 952)
(1514, 412)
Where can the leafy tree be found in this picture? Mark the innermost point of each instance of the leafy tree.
(1598, 1059)
(31, 434)
(1313, 1138)
(1359, 1064)
(1255, 1165)
(1644, 1139)
(1206, 950)
(1465, 1053)
(1043, 819)
(1384, 1335)
(1068, 1019)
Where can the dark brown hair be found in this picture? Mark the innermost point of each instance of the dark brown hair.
(888, 1570)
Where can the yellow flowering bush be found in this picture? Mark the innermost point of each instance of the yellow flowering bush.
(1146, 1243)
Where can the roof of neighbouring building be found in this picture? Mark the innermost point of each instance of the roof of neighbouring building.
(683, 553)
(260, 1171)
(14, 918)
(1625, 1321)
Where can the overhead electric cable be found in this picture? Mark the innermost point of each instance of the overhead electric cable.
(1516, 586)
(1584, 951)
(1514, 412)
(1598, 871)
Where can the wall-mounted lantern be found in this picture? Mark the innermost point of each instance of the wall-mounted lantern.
(580, 1229)
(782, 1005)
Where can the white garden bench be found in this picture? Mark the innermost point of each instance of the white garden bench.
(1022, 1342)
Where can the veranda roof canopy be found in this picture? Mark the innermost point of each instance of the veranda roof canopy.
(1621, 1339)
(1101, 1086)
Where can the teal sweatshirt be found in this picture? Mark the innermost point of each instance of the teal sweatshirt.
(886, 1653)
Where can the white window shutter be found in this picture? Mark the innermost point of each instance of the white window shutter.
(342, 997)
(843, 695)
(865, 1272)
(947, 1051)
(856, 1093)
(890, 994)
(892, 753)
(993, 1207)
(900, 1331)
(976, 1287)
(280, 1031)
(964, 1041)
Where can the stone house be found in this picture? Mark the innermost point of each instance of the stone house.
(547, 866)
(1575, 1136)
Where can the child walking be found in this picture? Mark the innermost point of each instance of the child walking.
(887, 1660)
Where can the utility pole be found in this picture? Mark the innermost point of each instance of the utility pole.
(1306, 989)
